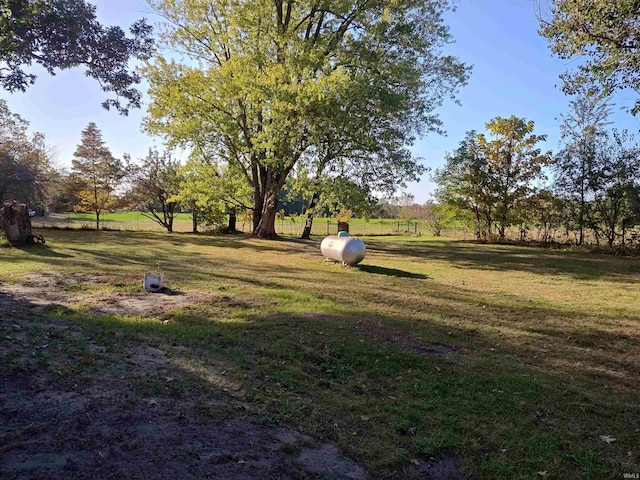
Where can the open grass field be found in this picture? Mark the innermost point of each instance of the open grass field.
(432, 359)
(137, 221)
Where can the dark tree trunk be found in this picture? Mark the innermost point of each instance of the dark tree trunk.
(97, 220)
(16, 224)
(306, 233)
(258, 198)
(169, 209)
(194, 220)
(233, 219)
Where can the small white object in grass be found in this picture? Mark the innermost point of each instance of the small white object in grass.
(153, 282)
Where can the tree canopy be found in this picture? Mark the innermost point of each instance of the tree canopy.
(63, 34)
(154, 184)
(492, 175)
(606, 33)
(266, 83)
(575, 165)
(25, 166)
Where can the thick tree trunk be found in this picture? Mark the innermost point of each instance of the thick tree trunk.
(97, 220)
(16, 224)
(308, 225)
(167, 211)
(267, 225)
(265, 197)
(233, 219)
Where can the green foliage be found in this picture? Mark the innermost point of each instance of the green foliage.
(514, 162)
(603, 31)
(277, 83)
(465, 184)
(25, 168)
(493, 177)
(616, 187)
(212, 189)
(95, 172)
(63, 34)
(575, 166)
(154, 185)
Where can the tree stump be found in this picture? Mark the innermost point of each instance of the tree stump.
(16, 224)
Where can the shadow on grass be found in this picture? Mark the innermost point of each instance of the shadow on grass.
(129, 238)
(578, 265)
(391, 272)
(376, 393)
(42, 251)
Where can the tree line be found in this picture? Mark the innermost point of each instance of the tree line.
(502, 180)
(158, 185)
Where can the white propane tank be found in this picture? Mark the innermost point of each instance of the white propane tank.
(348, 250)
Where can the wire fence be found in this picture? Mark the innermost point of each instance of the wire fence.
(293, 226)
(290, 226)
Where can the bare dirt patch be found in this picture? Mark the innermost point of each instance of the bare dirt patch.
(40, 291)
(132, 414)
(58, 434)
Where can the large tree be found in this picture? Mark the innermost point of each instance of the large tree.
(97, 172)
(465, 183)
(606, 33)
(25, 167)
(515, 162)
(583, 134)
(61, 34)
(493, 175)
(264, 81)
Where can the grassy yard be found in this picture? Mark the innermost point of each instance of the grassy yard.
(502, 361)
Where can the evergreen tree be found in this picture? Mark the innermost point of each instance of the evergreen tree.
(97, 172)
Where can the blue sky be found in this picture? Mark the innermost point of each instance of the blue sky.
(514, 74)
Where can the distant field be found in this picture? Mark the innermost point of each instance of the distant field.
(117, 221)
(136, 221)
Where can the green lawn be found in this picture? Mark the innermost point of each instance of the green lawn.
(519, 362)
